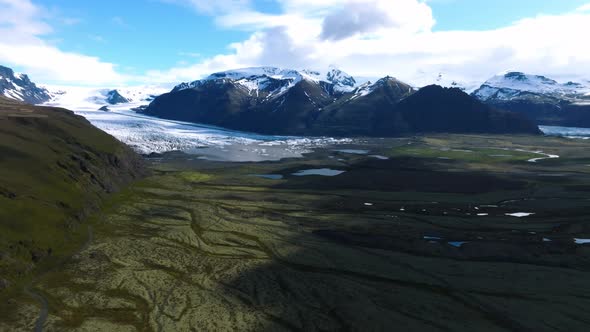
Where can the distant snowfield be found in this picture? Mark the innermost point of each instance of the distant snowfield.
(147, 134)
(92, 98)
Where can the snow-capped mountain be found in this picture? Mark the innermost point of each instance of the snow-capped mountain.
(540, 98)
(19, 87)
(399, 88)
(271, 81)
(513, 85)
(444, 79)
(341, 81)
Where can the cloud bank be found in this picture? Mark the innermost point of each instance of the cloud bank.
(373, 38)
(22, 43)
(367, 38)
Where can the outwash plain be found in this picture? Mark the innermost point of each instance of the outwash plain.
(439, 232)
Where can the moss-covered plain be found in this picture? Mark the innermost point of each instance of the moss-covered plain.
(414, 242)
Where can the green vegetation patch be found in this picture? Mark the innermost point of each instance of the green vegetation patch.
(479, 155)
(195, 176)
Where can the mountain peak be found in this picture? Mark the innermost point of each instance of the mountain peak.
(393, 83)
(19, 87)
(113, 97)
(522, 77)
(513, 84)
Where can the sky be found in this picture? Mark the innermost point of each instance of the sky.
(132, 42)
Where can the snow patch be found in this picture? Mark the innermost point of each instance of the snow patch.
(520, 214)
(256, 79)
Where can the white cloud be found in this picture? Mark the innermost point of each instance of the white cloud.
(369, 38)
(374, 38)
(358, 17)
(22, 44)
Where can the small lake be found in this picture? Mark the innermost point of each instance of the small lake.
(353, 151)
(457, 244)
(319, 171)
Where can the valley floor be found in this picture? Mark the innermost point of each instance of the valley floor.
(449, 233)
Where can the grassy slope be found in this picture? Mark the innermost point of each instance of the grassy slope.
(54, 169)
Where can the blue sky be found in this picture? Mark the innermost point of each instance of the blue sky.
(482, 14)
(137, 34)
(145, 41)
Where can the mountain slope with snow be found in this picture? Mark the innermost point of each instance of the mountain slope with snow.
(19, 87)
(514, 85)
(540, 98)
(446, 80)
(272, 81)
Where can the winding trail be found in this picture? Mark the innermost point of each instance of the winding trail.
(44, 312)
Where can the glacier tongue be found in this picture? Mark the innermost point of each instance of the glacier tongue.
(148, 135)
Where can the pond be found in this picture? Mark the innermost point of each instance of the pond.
(353, 151)
(319, 171)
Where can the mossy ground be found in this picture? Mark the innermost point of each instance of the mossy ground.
(203, 246)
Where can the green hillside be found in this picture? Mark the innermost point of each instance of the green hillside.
(55, 168)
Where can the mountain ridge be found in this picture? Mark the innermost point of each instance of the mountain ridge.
(541, 99)
(19, 87)
(279, 101)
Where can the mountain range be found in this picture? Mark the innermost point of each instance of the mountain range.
(286, 101)
(289, 102)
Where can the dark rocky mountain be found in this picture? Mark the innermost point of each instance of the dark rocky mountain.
(113, 97)
(437, 109)
(286, 102)
(368, 111)
(541, 99)
(19, 87)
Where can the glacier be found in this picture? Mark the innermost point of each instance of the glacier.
(148, 135)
